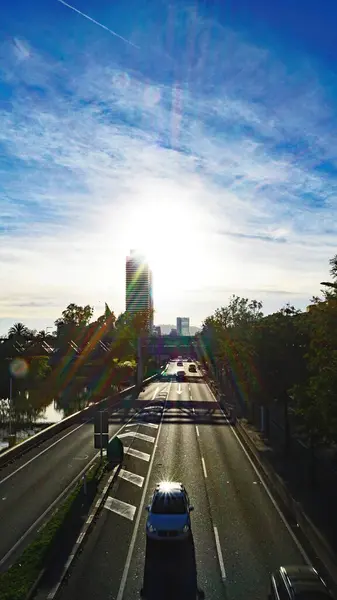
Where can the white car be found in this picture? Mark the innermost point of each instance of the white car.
(169, 512)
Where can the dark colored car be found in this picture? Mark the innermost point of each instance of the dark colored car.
(192, 368)
(181, 376)
(298, 583)
(180, 363)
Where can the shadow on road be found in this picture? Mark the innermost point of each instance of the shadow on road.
(170, 571)
(176, 411)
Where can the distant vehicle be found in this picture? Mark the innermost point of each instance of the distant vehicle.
(192, 369)
(169, 512)
(181, 375)
(180, 363)
(298, 583)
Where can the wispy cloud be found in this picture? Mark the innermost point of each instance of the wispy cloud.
(229, 161)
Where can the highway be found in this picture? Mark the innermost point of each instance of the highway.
(239, 536)
(33, 484)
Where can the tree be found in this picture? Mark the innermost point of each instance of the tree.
(226, 345)
(281, 343)
(18, 330)
(107, 322)
(75, 315)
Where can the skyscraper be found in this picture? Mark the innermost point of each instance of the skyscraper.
(138, 294)
(183, 325)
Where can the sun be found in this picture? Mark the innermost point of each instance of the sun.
(164, 232)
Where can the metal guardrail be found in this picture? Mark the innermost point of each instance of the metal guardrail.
(20, 449)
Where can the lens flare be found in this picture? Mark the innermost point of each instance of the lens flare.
(18, 368)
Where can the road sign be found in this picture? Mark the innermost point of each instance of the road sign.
(101, 430)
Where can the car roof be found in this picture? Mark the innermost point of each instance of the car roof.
(303, 578)
(169, 487)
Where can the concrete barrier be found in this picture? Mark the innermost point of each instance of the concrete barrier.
(86, 413)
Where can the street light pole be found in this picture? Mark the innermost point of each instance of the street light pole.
(10, 404)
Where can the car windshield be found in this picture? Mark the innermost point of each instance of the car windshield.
(168, 504)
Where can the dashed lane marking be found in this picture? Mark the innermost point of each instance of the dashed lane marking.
(121, 508)
(219, 552)
(131, 477)
(204, 467)
(139, 436)
(138, 454)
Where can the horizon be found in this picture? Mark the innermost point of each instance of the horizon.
(198, 132)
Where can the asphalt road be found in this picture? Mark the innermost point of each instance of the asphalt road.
(32, 484)
(239, 536)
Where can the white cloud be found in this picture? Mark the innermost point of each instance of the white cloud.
(210, 187)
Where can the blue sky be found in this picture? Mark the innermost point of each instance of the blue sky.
(202, 133)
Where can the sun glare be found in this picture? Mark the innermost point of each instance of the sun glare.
(164, 231)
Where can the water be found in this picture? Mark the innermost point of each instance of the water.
(49, 415)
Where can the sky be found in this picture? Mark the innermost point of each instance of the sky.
(202, 133)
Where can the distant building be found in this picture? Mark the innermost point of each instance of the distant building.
(138, 285)
(183, 326)
(156, 330)
(173, 332)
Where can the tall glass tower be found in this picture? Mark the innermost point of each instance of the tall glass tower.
(138, 292)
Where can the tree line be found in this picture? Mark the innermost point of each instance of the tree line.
(81, 360)
(285, 360)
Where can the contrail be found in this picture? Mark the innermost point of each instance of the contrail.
(99, 24)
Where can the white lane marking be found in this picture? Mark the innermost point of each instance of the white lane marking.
(204, 466)
(120, 508)
(271, 497)
(151, 425)
(139, 436)
(179, 390)
(155, 393)
(138, 454)
(197, 430)
(132, 477)
(141, 506)
(220, 557)
(42, 452)
(144, 424)
(80, 537)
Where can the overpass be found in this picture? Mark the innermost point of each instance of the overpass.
(168, 346)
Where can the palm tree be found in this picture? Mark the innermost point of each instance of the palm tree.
(18, 330)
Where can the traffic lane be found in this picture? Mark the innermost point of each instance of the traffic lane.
(40, 483)
(177, 459)
(61, 437)
(98, 569)
(253, 538)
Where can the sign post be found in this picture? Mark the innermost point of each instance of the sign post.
(101, 430)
